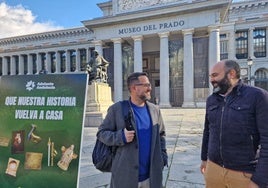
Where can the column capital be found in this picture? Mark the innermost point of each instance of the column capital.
(164, 34)
(87, 47)
(251, 28)
(213, 28)
(188, 31)
(137, 38)
(97, 42)
(116, 40)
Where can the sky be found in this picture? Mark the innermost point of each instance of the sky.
(21, 17)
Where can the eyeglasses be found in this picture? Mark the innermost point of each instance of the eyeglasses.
(144, 85)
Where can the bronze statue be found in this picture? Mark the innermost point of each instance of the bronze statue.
(97, 68)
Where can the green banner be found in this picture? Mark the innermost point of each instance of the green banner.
(41, 124)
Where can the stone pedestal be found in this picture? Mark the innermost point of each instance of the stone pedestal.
(99, 98)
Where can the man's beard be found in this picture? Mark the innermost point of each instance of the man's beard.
(222, 86)
(144, 97)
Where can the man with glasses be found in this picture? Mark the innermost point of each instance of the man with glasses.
(141, 151)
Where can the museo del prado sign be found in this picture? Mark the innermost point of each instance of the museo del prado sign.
(151, 27)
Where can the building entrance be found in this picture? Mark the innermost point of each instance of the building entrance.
(150, 65)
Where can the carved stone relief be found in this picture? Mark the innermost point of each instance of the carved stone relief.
(124, 5)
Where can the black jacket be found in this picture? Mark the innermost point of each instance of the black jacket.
(234, 128)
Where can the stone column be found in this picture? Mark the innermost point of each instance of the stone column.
(67, 61)
(98, 46)
(13, 65)
(4, 66)
(21, 65)
(214, 48)
(48, 62)
(250, 43)
(30, 64)
(118, 70)
(231, 43)
(164, 70)
(38, 63)
(58, 62)
(251, 54)
(266, 42)
(77, 61)
(188, 69)
(137, 53)
(88, 54)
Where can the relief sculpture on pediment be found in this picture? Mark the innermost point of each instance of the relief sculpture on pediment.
(124, 5)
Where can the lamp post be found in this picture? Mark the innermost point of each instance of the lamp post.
(250, 62)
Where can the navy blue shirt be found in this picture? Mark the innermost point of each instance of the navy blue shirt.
(144, 128)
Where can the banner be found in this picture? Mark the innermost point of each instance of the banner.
(41, 124)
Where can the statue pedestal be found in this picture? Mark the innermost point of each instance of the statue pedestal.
(99, 98)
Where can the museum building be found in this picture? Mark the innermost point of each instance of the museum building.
(175, 41)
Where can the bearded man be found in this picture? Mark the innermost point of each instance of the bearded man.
(235, 139)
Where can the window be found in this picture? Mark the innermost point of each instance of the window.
(241, 44)
(25, 64)
(223, 47)
(43, 61)
(259, 42)
(62, 61)
(83, 59)
(262, 78)
(16, 59)
(34, 56)
(200, 62)
(1, 65)
(53, 62)
(73, 60)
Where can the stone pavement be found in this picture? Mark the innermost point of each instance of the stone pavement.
(184, 129)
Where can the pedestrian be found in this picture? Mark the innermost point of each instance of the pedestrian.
(141, 153)
(235, 131)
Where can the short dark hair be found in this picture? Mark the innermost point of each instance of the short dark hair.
(231, 64)
(134, 77)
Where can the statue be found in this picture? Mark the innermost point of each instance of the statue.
(67, 156)
(97, 68)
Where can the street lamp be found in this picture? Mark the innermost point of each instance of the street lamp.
(250, 62)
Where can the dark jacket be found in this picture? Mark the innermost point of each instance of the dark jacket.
(125, 167)
(234, 128)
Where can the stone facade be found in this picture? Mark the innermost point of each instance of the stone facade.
(174, 41)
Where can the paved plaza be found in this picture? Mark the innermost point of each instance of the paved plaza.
(184, 136)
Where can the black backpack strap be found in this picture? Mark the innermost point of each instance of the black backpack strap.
(125, 108)
(127, 114)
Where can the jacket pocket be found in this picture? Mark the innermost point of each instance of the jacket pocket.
(239, 114)
(240, 134)
(212, 113)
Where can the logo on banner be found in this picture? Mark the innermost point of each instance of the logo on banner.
(40, 85)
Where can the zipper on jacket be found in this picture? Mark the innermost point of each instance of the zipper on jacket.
(221, 128)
